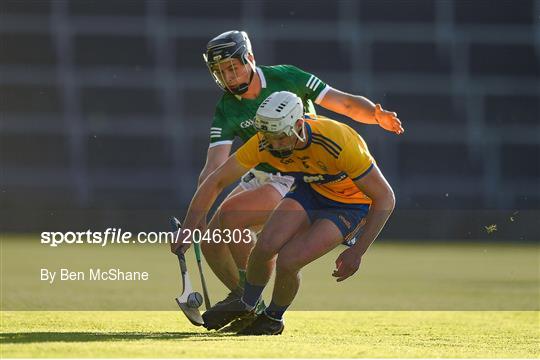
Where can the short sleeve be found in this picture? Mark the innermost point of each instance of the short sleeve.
(355, 159)
(248, 154)
(220, 132)
(309, 85)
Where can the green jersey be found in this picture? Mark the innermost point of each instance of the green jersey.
(234, 115)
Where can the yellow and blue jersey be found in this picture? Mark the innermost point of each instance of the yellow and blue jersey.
(333, 157)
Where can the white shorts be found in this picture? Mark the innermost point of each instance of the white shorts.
(254, 179)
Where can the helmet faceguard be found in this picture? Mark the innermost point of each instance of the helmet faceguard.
(284, 150)
(219, 55)
(277, 119)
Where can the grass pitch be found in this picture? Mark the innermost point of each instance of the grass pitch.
(408, 300)
(334, 334)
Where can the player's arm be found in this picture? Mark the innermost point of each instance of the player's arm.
(215, 157)
(375, 186)
(245, 158)
(360, 109)
(222, 135)
(206, 194)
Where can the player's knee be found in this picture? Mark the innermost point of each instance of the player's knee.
(286, 263)
(230, 216)
(264, 250)
(210, 248)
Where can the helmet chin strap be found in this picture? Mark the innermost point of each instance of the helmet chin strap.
(242, 88)
(281, 153)
(302, 137)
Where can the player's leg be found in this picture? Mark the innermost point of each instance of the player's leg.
(218, 255)
(292, 216)
(247, 206)
(219, 259)
(243, 209)
(247, 210)
(332, 223)
(256, 206)
(322, 237)
(251, 210)
(336, 224)
(286, 220)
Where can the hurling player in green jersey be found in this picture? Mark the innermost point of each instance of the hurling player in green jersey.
(230, 59)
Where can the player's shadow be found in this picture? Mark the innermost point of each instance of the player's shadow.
(41, 337)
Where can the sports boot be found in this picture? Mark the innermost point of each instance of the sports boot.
(225, 311)
(263, 325)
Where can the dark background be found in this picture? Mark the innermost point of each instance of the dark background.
(105, 106)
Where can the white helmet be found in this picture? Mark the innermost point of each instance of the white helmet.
(278, 114)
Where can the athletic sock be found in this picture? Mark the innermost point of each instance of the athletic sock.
(252, 294)
(241, 278)
(275, 312)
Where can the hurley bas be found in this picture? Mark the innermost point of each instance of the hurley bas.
(93, 275)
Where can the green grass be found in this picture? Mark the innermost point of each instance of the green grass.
(475, 334)
(393, 276)
(408, 300)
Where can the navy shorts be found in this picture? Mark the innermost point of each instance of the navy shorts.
(349, 218)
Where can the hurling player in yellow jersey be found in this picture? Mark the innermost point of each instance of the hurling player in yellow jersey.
(339, 196)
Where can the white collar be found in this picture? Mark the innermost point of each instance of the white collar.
(261, 76)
